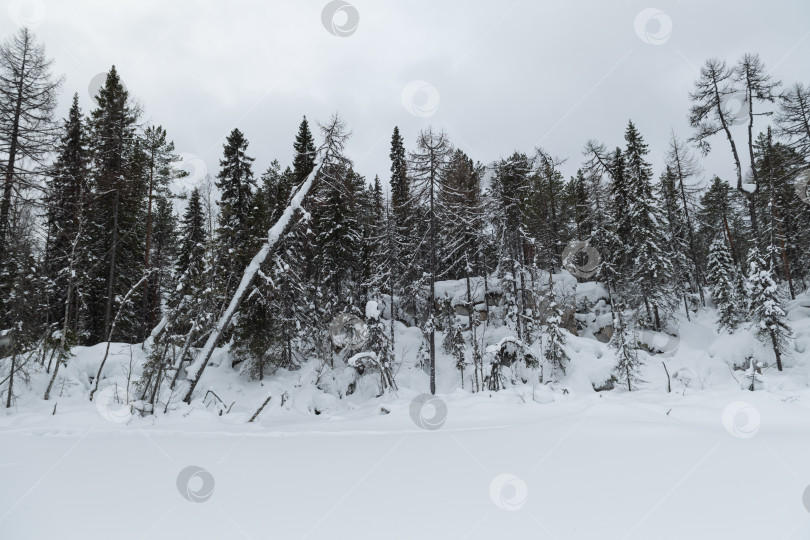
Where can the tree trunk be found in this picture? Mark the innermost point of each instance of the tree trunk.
(147, 313)
(432, 289)
(776, 351)
(5, 205)
(690, 229)
(111, 279)
(752, 211)
(112, 329)
(250, 273)
(473, 325)
(260, 409)
(11, 379)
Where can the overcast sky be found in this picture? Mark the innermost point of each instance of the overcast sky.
(498, 76)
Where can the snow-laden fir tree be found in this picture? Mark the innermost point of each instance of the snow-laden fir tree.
(378, 344)
(554, 350)
(508, 200)
(68, 185)
(236, 183)
(651, 271)
(676, 236)
(723, 279)
(624, 345)
(454, 343)
(766, 306)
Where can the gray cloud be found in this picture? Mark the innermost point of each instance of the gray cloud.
(508, 75)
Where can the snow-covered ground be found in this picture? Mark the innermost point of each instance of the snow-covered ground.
(709, 460)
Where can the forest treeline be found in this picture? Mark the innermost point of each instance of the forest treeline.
(93, 248)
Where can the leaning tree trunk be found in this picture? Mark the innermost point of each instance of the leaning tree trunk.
(112, 329)
(61, 355)
(224, 321)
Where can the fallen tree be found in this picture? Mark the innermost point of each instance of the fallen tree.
(334, 140)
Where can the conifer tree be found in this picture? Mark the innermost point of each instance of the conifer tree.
(650, 264)
(304, 160)
(720, 212)
(623, 343)
(427, 165)
(766, 306)
(554, 349)
(509, 196)
(236, 183)
(28, 97)
(115, 232)
(160, 155)
(676, 233)
(67, 190)
(684, 166)
(405, 228)
(723, 281)
(794, 118)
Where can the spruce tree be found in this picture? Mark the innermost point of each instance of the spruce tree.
(304, 146)
(623, 343)
(509, 198)
(67, 191)
(723, 281)
(650, 264)
(554, 349)
(766, 305)
(720, 211)
(115, 213)
(676, 236)
(160, 156)
(236, 184)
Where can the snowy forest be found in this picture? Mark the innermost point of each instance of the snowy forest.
(420, 352)
(96, 248)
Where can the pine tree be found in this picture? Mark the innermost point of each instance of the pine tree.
(766, 306)
(723, 281)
